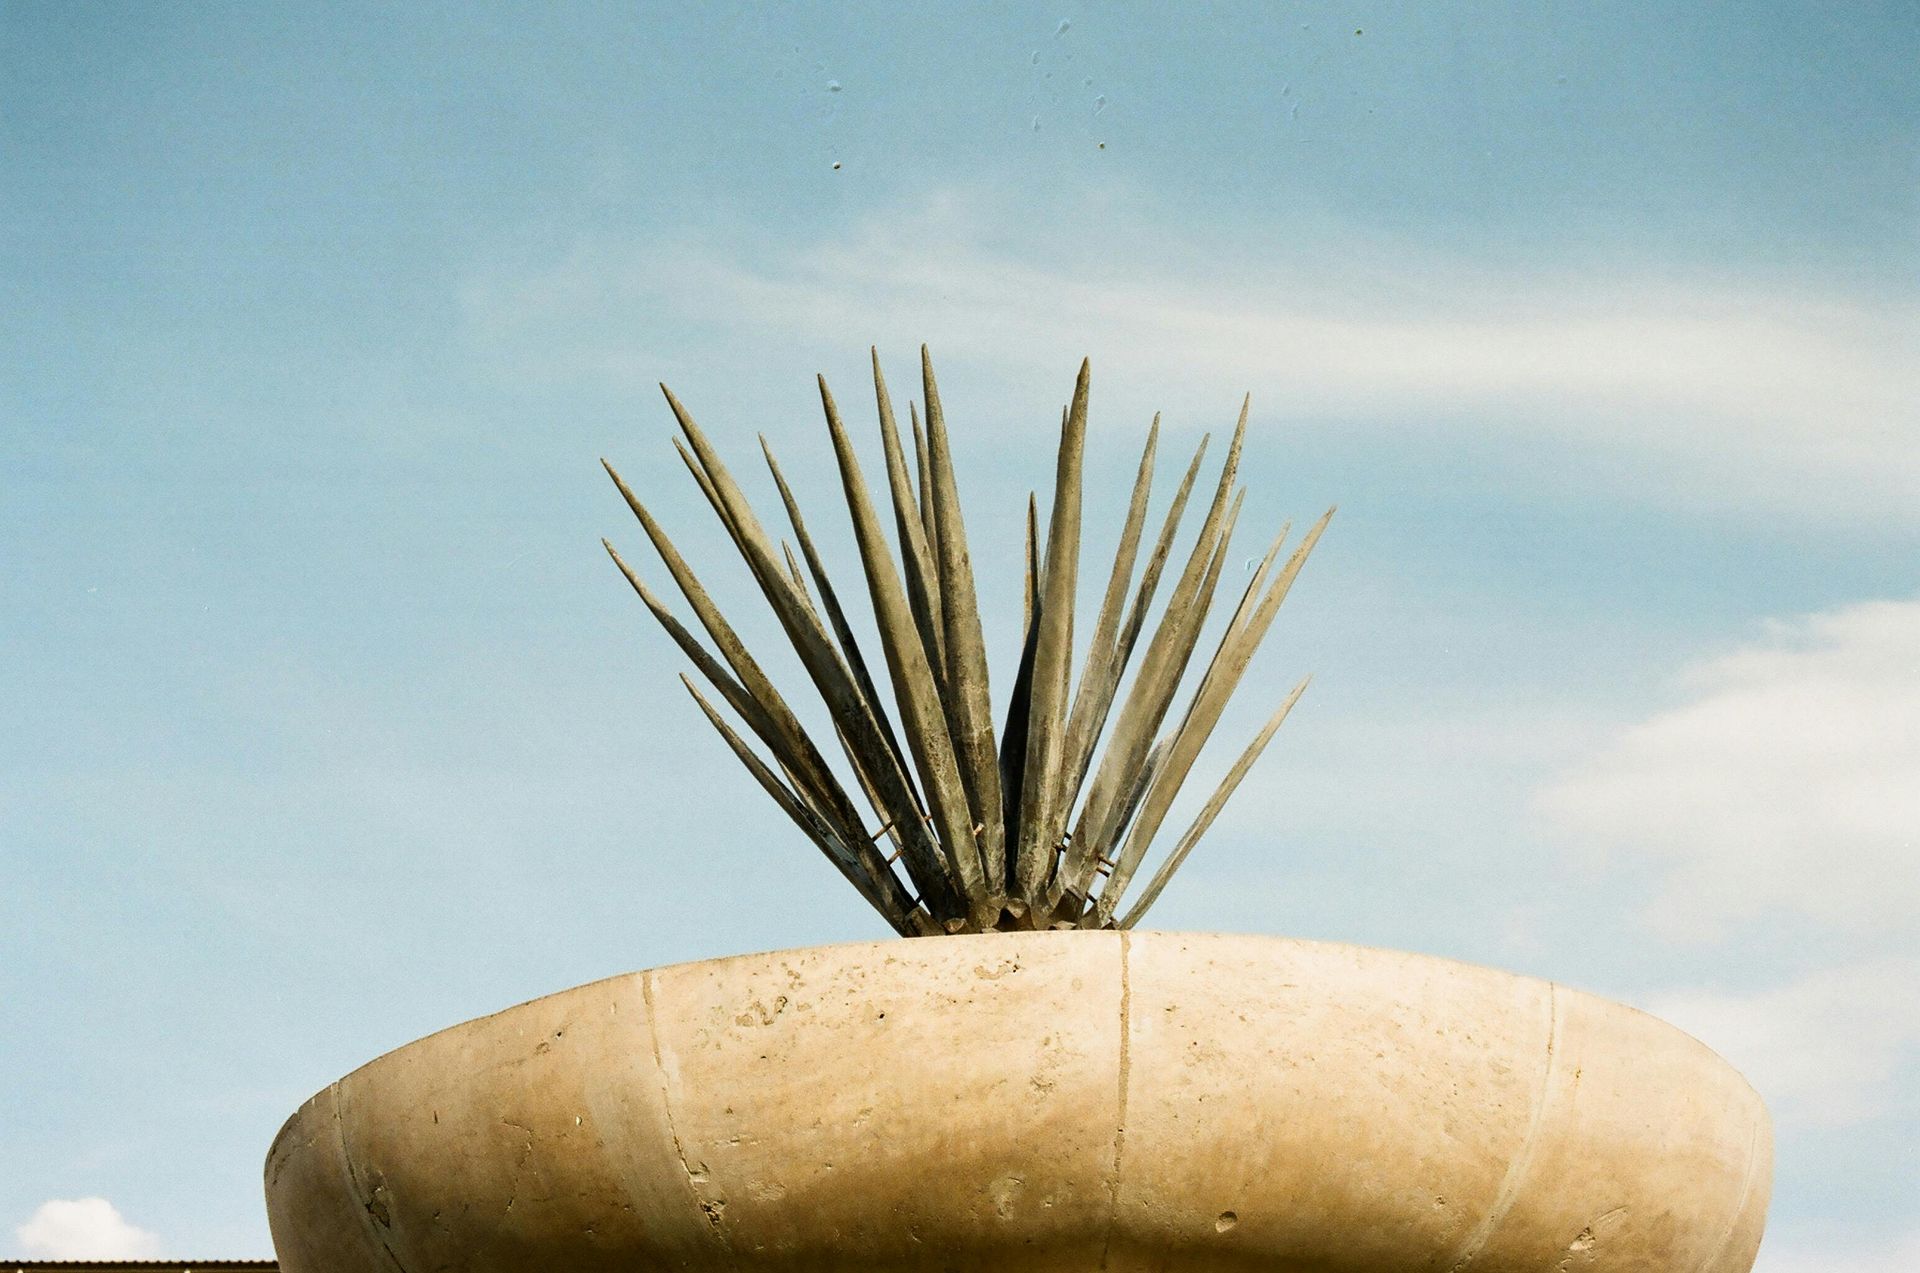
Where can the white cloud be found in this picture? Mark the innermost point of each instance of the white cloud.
(1787, 785)
(1766, 395)
(1901, 1255)
(84, 1229)
(1830, 1049)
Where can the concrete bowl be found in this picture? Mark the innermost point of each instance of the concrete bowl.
(1037, 1101)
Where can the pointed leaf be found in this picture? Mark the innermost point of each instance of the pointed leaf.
(1088, 708)
(1013, 734)
(1077, 866)
(811, 766)
(1159, 676)
(1042, 821)
(792, 758)
(923, 460)
(894, 910)
(916, 557)
(969, 698)
(853, 718)
(1209, 701)
(1211, 810)
(843, 631)
(922, 716)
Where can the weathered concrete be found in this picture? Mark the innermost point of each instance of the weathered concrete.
(1037, 1101)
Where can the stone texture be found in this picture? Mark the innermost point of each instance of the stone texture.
(1037, 1101)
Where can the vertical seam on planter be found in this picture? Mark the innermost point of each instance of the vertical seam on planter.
(1523, 1158)
(709, 1210)
(1120, 1120)
(364, 1204)
(1712, 1261)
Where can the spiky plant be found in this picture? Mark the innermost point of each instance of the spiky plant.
(983, 833)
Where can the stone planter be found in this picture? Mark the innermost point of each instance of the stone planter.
(1037, 1101)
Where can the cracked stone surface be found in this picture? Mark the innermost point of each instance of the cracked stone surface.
(1037, 1101)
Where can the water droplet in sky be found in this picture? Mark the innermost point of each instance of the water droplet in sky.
(1035, 59)
(1099, 104)
(833, 86)
(1062, 28)
(1036, 123)
(836, 165)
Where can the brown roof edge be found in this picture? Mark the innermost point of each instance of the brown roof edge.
(151, 1266)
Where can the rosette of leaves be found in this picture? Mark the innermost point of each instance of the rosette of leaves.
(970, 827)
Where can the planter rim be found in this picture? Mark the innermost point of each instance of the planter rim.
(1037, 1102)
(1325, 943)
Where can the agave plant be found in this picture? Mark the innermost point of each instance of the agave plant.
(1019, 830)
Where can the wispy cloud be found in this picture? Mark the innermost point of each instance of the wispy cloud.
(83, 1229)
(1786, 784)
(1727, 392)
(1829, 1049)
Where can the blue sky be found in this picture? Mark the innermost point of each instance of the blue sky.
(329, 724)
